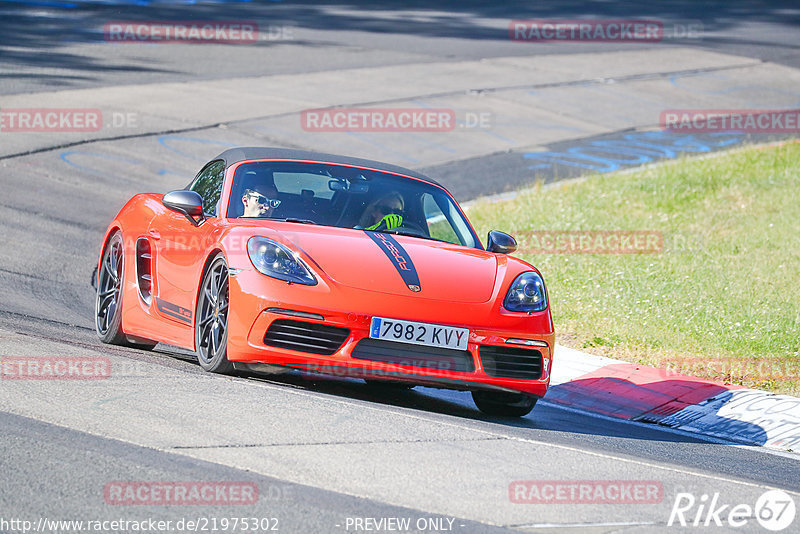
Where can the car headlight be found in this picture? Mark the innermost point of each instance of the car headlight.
(275, 260)
(526, 294)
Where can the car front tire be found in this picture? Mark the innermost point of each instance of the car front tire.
(211, 324)
(504, 404)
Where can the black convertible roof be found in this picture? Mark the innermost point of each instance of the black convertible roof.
(235, 155)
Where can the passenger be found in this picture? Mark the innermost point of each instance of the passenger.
(384, 213)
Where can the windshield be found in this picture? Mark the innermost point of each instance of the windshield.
(347, 197)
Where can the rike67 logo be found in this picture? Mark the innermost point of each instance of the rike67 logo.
(774, 510)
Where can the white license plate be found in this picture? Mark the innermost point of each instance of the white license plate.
(430, 335)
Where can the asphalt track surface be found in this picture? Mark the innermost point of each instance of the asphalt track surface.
(323, 452)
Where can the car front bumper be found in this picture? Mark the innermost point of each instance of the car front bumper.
(496, 359)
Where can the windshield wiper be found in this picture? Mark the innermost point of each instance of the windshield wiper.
(401, 231)
(294, 220)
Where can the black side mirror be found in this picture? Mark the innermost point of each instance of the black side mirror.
(189, 203)
(501, 242)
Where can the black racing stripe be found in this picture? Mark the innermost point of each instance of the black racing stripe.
(173, 310)
(399, 258)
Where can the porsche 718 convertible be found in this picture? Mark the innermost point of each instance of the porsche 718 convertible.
(292, 260)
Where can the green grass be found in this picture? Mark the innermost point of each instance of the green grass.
(721, 300)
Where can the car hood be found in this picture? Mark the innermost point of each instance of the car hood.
(394, 264)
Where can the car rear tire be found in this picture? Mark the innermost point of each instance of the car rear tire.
(110, 281)
(211, 325)
(504, 404)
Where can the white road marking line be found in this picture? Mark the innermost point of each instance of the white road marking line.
(606, 456)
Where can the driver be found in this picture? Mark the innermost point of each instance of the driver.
(383, 213)
(260, 201)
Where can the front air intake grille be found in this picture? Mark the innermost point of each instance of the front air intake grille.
(305, 337)
(511, 362)
(377, 350)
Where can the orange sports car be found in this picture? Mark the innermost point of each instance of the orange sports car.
(293, 260)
